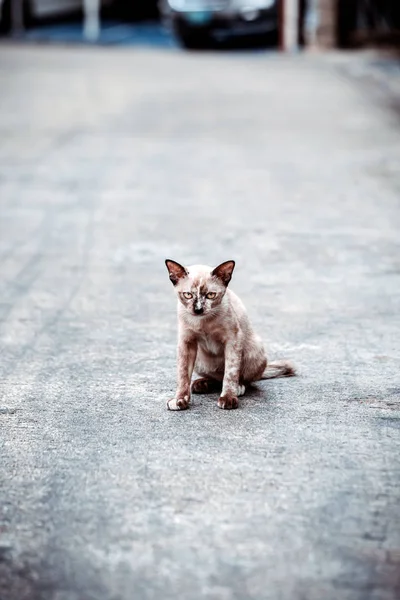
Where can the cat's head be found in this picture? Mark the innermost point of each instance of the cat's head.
(200, 288)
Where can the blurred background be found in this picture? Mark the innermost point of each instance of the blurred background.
(201, 23)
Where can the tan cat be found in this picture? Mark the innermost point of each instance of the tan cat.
(215, 337)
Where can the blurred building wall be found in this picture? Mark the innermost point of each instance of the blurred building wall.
(325, 23)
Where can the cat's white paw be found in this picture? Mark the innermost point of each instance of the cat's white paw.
(178, 403)
(241, 390)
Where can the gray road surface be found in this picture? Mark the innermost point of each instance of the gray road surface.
(111, 161)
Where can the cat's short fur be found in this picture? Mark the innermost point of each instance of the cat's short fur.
(215, 337)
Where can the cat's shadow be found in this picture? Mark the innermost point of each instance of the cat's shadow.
(254, 395)
(257, 395)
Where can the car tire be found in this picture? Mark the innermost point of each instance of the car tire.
(272, 39)
(191, 39)
(194, 41)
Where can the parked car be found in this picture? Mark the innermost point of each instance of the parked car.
(195, 22)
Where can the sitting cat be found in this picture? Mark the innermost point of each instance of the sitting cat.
(215, 337)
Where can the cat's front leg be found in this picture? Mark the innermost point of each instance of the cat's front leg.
(187, 350)
(230, 387)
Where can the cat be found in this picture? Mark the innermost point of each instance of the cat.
(215, 337)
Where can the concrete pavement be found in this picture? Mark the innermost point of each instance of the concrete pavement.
(111, 161)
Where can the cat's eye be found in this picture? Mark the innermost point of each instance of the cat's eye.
(211, 295)
(187, 295)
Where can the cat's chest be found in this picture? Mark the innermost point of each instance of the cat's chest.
(210, 344)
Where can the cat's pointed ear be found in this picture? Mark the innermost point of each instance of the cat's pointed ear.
(224, 271)
(175, 270)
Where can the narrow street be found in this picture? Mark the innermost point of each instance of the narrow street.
(112, 160)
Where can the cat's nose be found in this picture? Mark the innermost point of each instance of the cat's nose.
(198, 310)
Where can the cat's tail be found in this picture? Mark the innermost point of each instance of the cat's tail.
(279, 368)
